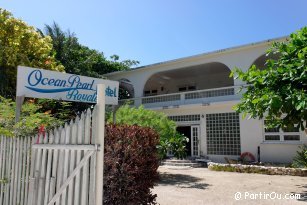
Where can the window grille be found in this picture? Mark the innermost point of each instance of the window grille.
(223, 134)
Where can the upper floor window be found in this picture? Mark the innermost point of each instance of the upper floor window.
(150, 92)
(187, 88)
(279, 134)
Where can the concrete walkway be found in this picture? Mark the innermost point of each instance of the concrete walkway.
(200, 186)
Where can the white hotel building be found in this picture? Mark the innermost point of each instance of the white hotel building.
(198, 94)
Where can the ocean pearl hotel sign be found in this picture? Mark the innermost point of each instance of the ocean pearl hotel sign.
(39, 83)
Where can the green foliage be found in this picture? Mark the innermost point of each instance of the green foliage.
(81, 60)
(278, 93)
(146, 118)
(30, 119)
(59, 109)
(21, 44)
(131, 164)
(178, 145)
(222, 168)
(300, 160)
(3, 181)
(163, 147)
(158, 121)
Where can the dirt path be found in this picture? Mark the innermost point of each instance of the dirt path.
(200, 186)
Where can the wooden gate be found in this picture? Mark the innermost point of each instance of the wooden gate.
(63, 164)
(14, 169)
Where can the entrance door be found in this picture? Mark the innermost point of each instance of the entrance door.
(186, 131)
(195, 134)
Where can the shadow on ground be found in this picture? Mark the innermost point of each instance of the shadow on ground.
(303, 194)
(181, 181)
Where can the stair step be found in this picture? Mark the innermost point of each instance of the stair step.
(179, 161)
(190, 164)
(176, 167)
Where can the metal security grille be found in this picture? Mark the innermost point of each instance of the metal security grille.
(223, 134)
(185, 118)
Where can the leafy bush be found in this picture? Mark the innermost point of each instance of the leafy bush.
(178, 145)
(30, 119)
(131, 163)
(146, 118)
(166, 128)
(163, 147)
(300, 160)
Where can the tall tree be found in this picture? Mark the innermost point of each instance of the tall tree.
(80, 59)
(21, 44)
(278, 93)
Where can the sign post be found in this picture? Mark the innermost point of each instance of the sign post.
(19, 102)
(100, 140)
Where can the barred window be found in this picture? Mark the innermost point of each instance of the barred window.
(223, 134)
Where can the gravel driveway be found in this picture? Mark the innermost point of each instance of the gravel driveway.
(200, 186)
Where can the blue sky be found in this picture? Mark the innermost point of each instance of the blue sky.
(153, 31)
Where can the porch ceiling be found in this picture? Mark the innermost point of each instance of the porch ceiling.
(210, 75)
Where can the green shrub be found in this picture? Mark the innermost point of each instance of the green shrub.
(170, 139)
(30, 119)
(131, 163)
(163, 147)
(178, 145)
(300, 160)
(223, 168)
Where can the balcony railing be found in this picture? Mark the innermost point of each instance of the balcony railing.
(160, 98)
(189, 97)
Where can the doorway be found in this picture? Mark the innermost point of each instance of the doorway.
(186, 131)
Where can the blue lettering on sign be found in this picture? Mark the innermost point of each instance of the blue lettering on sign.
(73, 85)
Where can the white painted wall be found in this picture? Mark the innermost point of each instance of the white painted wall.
(278, 152)
(251, 130)
(242, 57)
(251, 133)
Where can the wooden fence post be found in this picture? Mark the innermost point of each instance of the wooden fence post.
(100, 140)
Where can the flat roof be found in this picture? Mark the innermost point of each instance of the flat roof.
(199, 55)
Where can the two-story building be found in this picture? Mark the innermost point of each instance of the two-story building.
(198, 94)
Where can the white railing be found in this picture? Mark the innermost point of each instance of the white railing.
(189, 97)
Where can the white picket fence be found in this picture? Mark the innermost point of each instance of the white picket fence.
(57, 168)
(14, 170)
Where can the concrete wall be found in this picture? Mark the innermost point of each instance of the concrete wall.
(278, 152)
(281, 152)
(251, 134)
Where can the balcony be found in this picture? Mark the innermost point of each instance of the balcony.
(174, 100)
